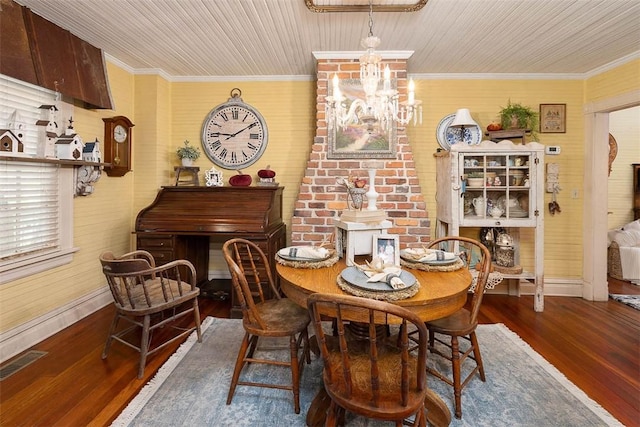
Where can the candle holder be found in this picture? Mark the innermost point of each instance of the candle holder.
(372, 194)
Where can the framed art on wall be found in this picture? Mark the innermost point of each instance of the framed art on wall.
(362, 140)
(387, 248)
(553, 118)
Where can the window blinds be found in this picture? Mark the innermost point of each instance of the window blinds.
(29, 192)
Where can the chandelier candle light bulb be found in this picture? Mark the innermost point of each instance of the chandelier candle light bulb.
(387, 79)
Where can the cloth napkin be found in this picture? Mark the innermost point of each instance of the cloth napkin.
(428, 255)
(389, 275)
(305, 252)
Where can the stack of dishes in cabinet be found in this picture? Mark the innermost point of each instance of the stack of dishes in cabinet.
(512, 209)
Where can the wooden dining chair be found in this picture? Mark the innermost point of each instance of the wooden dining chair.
(461, 324)
(150, 297)
(376, 377)
(261, 317)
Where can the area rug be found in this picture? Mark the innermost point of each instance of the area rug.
(190, 389)
(630, 300)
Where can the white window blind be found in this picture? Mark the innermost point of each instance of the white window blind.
(32, 200)
(28, 208)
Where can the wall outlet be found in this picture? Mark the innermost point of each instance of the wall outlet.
(574, 193)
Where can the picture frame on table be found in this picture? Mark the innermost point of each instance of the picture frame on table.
(553, 118)
(387, 247)
(360, 140)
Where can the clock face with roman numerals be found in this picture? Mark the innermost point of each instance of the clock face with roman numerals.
(234, 134)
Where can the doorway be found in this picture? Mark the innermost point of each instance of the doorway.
(596, 170)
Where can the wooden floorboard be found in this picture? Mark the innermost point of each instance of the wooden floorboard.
(596, 345)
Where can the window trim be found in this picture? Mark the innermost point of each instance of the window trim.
(27, 265)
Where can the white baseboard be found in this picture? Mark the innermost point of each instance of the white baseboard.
(28, 334)
(552, 287)
(31, 333)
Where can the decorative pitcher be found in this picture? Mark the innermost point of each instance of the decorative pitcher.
(480, 205)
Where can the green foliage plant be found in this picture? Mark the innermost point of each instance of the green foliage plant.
(188, 151)
(518, 116)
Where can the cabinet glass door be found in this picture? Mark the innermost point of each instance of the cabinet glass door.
(496, 186)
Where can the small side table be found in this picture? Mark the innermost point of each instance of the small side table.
(356, 238)
(191, 180)
(510, 134)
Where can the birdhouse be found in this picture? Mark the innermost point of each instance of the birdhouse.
(91, 152)
(10, 144)
(69, 146)
(17, 125)
(47, 131)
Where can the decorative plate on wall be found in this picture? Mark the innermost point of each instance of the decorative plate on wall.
(447, 136)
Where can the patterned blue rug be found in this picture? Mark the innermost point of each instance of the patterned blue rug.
(630, 300)
(522, 388)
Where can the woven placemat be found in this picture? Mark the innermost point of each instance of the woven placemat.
(426, 267)
(333, 258)
(378, 295)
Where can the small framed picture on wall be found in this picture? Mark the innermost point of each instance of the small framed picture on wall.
(553, 118)
(387, 248)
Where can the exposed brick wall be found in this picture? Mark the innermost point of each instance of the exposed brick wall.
(321, 199)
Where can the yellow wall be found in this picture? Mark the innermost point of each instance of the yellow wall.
(101, 222)
(620, 80)
(165, 114)
(288, 109)
(484, 98)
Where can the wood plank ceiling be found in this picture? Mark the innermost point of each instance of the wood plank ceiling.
(186, 39)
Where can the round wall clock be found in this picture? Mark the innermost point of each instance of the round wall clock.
(234, 134)
(117, 145)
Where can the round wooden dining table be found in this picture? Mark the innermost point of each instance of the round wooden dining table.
(441, 294)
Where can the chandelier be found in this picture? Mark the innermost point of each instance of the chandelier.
(381, 104)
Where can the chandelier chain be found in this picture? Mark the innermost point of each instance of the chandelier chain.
(370, 18)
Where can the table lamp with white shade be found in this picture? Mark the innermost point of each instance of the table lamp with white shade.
(462, 120)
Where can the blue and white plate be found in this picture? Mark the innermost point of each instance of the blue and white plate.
(447, 136)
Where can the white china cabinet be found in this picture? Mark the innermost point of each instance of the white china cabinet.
(495, 184)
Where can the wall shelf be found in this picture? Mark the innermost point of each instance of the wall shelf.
(61, 162)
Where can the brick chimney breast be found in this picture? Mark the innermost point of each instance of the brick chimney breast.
(321, 200)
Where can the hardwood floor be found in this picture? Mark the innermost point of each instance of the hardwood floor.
(596, 345)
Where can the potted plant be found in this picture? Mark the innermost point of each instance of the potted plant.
(518, 116)
(188, 153)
